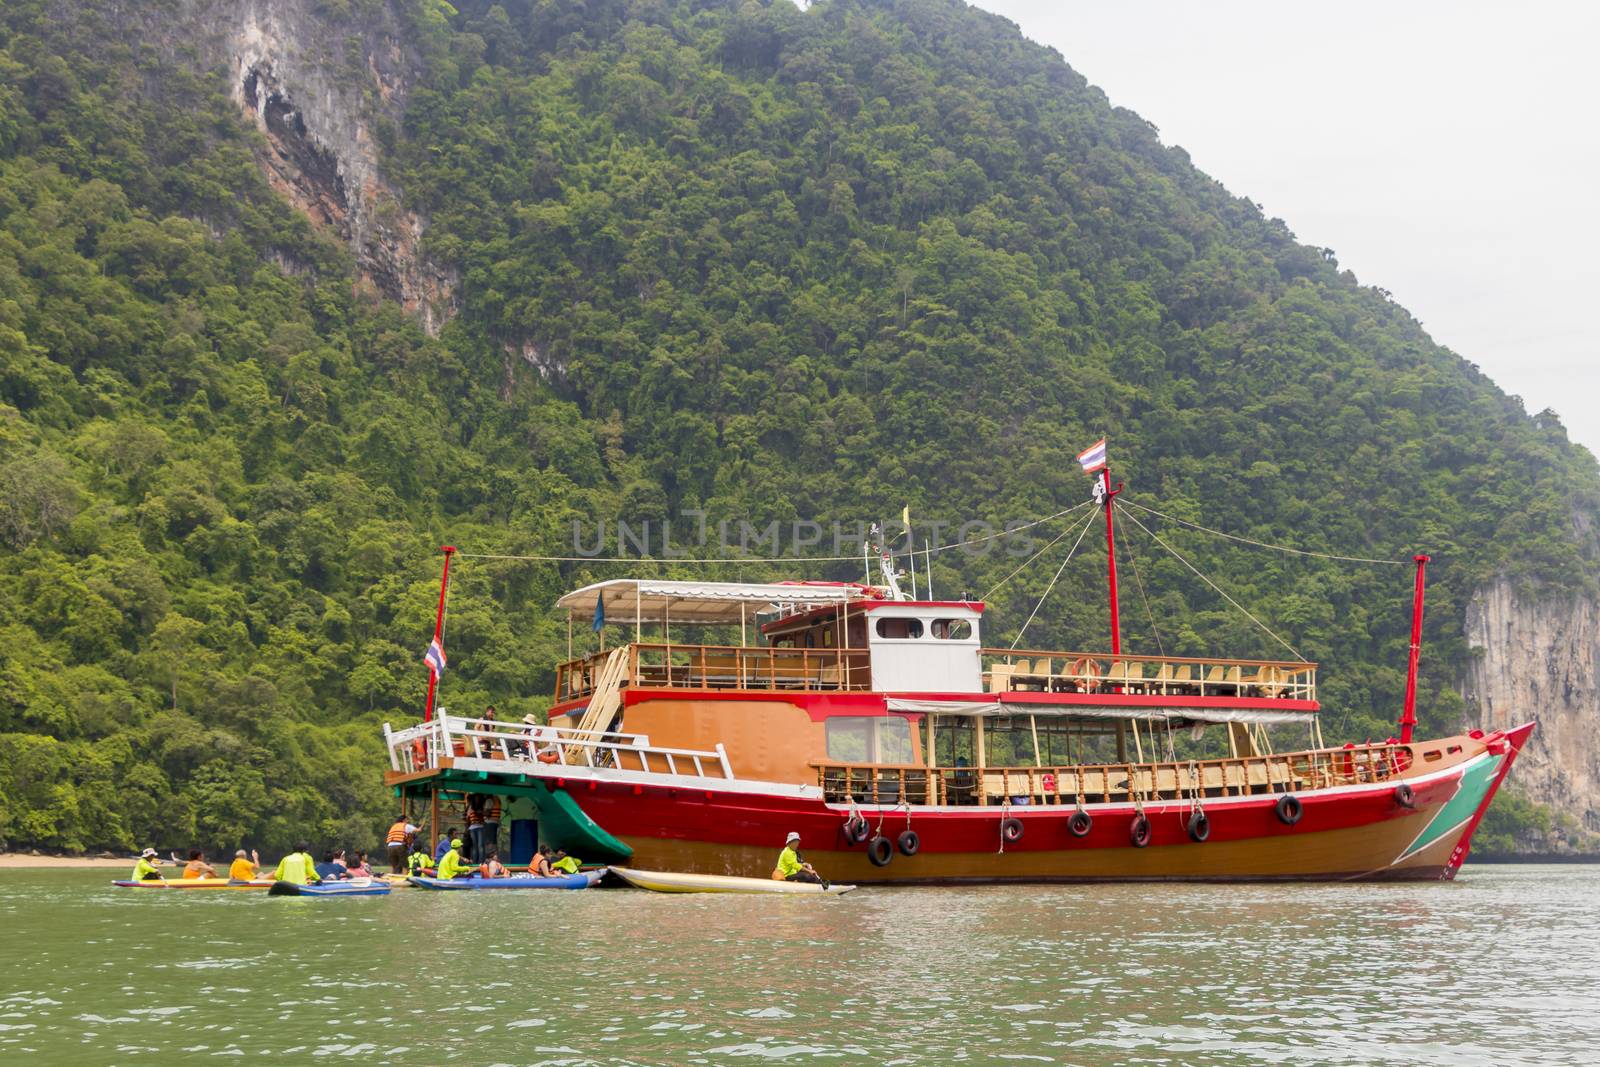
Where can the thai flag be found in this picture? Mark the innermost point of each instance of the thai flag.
(1093, 458)
(434, 657)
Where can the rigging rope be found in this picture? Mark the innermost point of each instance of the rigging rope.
(1029, 561)
(1219, 590)
(1133, 558)
(1007, 532)
(1263, 544)
(1053, 580)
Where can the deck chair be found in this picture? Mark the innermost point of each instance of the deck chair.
(1000, 677)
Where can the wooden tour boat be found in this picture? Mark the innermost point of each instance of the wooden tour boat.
(902, 750)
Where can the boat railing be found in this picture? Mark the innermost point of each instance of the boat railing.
(426, 747)
(675, 666)
(871, 783)
(1024, 670)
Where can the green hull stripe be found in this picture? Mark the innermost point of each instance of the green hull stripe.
(1475, 783)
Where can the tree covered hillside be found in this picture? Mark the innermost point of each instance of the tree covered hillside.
(732, 258)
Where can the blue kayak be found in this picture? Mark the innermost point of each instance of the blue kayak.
(359, 888)
(581, 880)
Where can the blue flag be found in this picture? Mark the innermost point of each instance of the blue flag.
(599, 613)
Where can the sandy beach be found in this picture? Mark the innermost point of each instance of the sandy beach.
(9, 860)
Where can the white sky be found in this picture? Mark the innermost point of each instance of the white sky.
(1448, 152)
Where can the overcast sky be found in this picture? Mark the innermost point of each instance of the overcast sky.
(1448, 152)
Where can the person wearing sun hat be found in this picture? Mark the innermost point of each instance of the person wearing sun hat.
(791, 868)
(148, 869)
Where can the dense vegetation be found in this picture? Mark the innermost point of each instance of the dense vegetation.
(731, 258)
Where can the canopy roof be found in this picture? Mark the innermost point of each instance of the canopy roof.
(630, 600)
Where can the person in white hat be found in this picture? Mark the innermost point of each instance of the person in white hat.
(148, 869)
(791, 868)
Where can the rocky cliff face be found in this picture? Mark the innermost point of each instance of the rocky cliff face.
(317, 92)
(1540, 659)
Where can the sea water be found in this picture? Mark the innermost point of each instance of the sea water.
(1500, 967)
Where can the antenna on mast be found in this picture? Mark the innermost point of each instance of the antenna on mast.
(891, 578)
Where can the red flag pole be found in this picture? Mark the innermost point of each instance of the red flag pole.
(1408, 716)
(1111, 558)
(438, 628)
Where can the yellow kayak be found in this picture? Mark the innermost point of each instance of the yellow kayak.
(194, 883)
(674, 882)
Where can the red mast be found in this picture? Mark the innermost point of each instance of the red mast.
(1408, 716)
(1111, 557)
(438, 628)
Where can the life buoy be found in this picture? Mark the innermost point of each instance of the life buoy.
(856, 830)
(1288, 809)
(548, 757)
(1011, 830)
(880, 851)
(1199, 827)
(908, 843)
(1405, 796)
(1079, 824)
(419, 753)
(1139, 831)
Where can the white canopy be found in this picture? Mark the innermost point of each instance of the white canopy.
(630, 600)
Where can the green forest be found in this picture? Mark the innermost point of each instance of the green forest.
(775, 265)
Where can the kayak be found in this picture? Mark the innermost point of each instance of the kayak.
(359, 887)
(673, 882)
(193, 883)
(581, 880)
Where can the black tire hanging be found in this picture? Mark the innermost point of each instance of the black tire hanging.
(880, 851)
(1139, 831)
(1079, 824)
(1010, 830)
(1199, 827)
(1405, 796)
(856, 830)
(1288, 809)
(908, 843)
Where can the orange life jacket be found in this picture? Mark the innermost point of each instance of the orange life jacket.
(397, 833)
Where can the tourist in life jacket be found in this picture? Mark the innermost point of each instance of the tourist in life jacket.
(298, 868)
(540, 867)
(491, 823)
(148, 869)
(243, 868)
(453, 866)
(419, 864)
(197, 867)
(561, 863)
(477, 845)
(398, 843)
(491, 867)
(791, 868)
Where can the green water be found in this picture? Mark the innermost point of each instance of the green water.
(1501, 967)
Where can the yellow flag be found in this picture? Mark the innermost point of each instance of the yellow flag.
(905, 516)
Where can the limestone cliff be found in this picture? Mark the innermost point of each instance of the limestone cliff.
(318, 91)
(1540, 659)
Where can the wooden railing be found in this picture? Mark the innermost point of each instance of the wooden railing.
(660, 665)
(1008, 670)
(1109, 783)
(522, 747)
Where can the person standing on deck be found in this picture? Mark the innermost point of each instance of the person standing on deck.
(244, 869)
(148, 869)
(298, 868)
(791, 868)
(491, 825)
(475, 842)
(398, 843)
(453, 866)
(197, 867)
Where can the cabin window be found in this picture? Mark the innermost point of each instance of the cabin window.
(900, 629)
(952, 629)
(869, 739)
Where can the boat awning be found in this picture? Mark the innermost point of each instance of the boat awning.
(629, 600)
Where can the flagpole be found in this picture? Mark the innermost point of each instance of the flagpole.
(438, 628)
(1408, 715)
(1111, 559)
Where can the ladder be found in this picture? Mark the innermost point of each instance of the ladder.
(604, 703)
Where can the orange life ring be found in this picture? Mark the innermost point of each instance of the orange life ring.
(548, 757)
